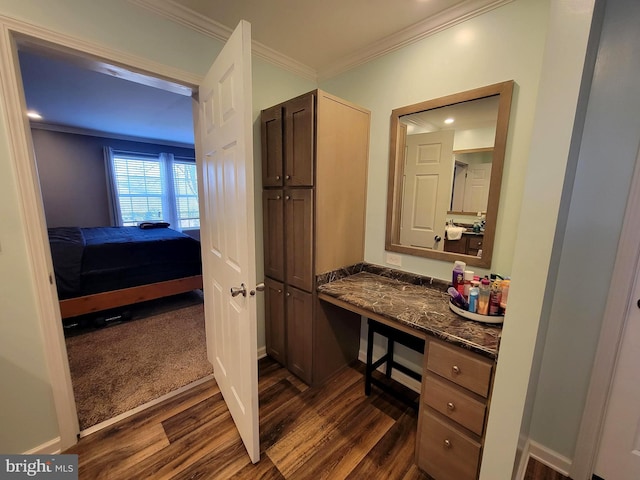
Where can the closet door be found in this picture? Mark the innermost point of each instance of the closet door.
(272, 147)
(275, 323)
(273, 224)
(299, 141)
(298, 207)
(299, 307)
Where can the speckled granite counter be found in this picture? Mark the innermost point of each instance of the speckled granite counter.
(414, 305)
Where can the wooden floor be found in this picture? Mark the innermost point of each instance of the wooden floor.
(332, 432)
(329, 432)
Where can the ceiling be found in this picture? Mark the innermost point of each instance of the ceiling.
(311, 38)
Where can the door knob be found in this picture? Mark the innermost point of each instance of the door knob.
(235, 291)
(437, 238)
(259, 288)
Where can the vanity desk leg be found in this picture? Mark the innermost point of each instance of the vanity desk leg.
(392, 335)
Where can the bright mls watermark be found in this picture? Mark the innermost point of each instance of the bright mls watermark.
(50, 467)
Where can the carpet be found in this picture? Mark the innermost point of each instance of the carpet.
(120, 367)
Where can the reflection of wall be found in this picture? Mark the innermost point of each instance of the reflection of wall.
(476, 138)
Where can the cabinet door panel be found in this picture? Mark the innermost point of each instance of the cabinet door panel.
(272, 147)
(273, 222)
(275, 324)
(299, 306)
(298, 241)
(299, 142)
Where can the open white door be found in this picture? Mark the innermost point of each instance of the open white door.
(225, 162)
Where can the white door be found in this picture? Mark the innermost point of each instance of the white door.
(225, 159)
(476, 189)
(619, 452)
(428, 172)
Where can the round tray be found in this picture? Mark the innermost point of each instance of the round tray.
(476, 316)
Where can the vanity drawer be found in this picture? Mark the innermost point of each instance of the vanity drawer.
(454, 404)
(464, 368)
(445, 453)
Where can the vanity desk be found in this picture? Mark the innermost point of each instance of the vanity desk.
(459, 360)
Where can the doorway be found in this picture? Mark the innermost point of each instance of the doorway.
(55, 347)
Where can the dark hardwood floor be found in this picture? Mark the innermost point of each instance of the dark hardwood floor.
(332, 432)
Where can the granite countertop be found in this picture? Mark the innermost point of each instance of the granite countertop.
(416, 306)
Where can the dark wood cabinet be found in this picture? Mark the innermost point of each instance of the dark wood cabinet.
(467, 245)
(314, 171)
(275, 328)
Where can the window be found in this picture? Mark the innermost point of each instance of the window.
(153, 188)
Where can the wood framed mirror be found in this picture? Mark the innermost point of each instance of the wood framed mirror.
(446, 161)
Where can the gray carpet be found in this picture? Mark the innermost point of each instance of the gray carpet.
(120, 367)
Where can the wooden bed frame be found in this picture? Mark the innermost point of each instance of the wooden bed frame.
(73, 307)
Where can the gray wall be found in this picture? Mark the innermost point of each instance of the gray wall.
(72, 175)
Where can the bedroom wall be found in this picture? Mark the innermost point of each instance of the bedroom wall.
(27, 417)
(72, 174)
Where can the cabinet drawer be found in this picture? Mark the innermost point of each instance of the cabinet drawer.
(475, 242)
(454, 404)
(464, 368)
(445, 453)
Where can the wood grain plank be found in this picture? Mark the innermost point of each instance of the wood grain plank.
(393, 456)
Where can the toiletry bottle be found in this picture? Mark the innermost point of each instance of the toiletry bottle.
(458, 276)
(473, 299)
(506, 283)
(495, 296)
(457, 299)
(483, 296)
(468, 277)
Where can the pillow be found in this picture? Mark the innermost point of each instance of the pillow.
(147, 225)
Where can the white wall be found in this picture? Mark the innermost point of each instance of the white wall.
(27, 415)
(607, 157)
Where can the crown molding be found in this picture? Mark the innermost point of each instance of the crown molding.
(206, 26)
(445, 19)
(430, 26)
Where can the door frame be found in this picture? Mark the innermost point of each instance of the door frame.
(614, 319)
(30, 196)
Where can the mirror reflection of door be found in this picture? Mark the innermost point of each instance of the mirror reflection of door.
(471, 180)
(427, 188)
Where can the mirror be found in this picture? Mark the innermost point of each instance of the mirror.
(445, 171)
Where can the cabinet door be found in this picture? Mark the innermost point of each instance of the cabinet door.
(275, 324)
(456, 246)
(272, 147)
(273, 224)
(298, 207)
(475, 244)
(299, 142)
(299, 306)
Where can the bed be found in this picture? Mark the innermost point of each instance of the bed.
(102, 268)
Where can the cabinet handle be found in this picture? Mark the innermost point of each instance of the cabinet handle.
(287, 197)
(287, 177)
(455, 369)
(279, 290)
(288, 294)
(277, 177)
(451, 406)
(447, 443)
(278, 197)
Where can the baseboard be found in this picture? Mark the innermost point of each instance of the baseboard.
(52, 447)
(523, 450)
(399, 377)
(262, 352)
(559, 463)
